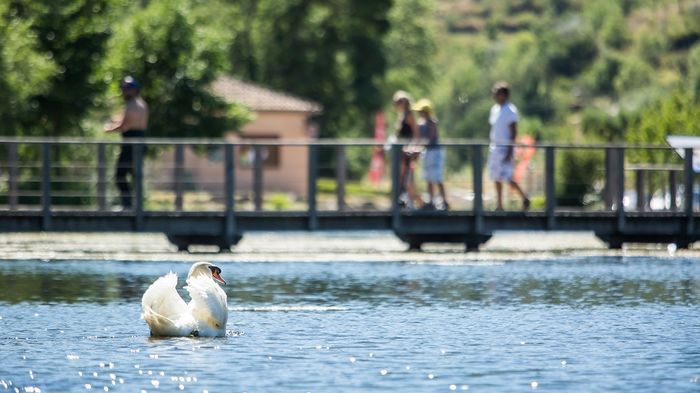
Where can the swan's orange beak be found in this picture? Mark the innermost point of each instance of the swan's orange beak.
(217, 277)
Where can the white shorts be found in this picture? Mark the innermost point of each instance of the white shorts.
(433, 165)
(498, 169)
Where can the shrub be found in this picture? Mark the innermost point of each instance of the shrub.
(600, 77)
(576, 176)
(569, 49)
(597, 122)
(651, 46)
(634, 74)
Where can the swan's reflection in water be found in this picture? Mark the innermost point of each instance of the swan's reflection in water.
(573, 324)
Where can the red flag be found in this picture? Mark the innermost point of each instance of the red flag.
(376, 166)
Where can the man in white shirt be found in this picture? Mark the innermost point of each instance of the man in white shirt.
(504, 128)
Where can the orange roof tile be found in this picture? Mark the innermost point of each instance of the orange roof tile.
(259, 98)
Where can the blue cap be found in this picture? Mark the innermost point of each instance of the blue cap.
(129, 81)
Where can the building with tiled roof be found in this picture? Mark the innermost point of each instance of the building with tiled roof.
(276, 115)
(261, 99)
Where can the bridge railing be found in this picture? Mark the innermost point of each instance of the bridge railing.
(198, 175)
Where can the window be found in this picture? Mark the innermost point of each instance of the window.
(270, 154)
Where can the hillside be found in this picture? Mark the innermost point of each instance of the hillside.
(579, 69)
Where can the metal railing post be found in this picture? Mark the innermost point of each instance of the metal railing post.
(395, 186)
(13, 175)
(688, 188)
(230, 192)
(46, 186)
(257, 177)
(138, 186)
(620, 185)
(340, 176)
(639, 186)
(101, 178)
(311, 193)
(673, 189)
(609, 190)
(178, 174)
(477, 172)
(550, 186)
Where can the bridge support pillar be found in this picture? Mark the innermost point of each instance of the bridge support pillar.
(616, 240)
(183, 242)
(415, 241)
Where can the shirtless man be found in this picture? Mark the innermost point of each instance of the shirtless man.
(132, 125)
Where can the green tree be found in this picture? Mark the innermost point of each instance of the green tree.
(598, 124)
(634, 74)
(327, 51)
(25, 72)
(175, 59)
(410, 47)
(676, 114)
(567, 47)
(694, 72)
(73, 34)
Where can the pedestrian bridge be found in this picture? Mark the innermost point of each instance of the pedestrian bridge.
(67, 185)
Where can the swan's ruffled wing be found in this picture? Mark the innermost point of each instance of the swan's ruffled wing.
(164, 310)
(208, 305)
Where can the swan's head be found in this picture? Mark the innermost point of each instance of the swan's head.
(206, 269)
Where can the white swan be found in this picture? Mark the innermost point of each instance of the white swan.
(167, 314)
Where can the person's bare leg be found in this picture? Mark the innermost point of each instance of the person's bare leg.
(526, 200)
(430, 193)
(412, 193)
(402, 176)
(499, 196)
(441, 187)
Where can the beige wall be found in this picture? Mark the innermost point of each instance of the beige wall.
(292, 172)
(290, 175)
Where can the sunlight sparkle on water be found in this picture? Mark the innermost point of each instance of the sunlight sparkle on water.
(516, 333)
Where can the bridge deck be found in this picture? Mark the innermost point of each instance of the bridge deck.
(415, 228)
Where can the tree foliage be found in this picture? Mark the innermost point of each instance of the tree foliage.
(72, 34)
(25, 72)
(60, 60)
(328, 51)
(676, 114)
(176, 61)
(410, 48)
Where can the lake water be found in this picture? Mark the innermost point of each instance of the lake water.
(592, 323)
